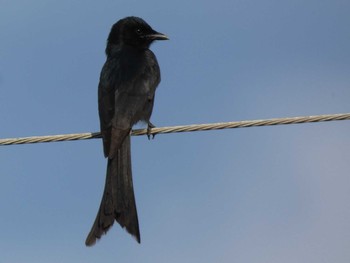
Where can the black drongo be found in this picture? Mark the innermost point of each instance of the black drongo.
(128, 82)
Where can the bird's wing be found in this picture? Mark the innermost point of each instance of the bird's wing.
(106, 101)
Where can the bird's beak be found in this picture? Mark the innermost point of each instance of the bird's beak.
(157, 36)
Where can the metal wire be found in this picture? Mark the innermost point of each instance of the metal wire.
(183, 128)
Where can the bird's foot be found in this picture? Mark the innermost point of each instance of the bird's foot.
(149, 128)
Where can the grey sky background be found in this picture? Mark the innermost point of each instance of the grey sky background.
(272, 194)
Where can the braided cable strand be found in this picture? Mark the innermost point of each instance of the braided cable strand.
(184, 128)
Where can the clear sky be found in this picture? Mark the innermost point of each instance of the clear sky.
(270, 194)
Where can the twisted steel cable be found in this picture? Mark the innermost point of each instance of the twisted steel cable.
(182, 128)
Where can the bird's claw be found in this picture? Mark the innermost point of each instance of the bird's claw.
(149, 128)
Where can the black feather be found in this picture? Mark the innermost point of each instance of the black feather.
(126, 91)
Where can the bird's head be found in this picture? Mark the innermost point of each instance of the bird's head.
(133, 31)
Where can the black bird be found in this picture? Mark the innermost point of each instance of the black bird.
(126, 91)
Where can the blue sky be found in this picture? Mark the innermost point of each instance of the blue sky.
(271, 194)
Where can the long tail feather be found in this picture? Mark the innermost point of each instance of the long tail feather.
(118, 201)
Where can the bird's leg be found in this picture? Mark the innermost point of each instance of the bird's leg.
(149, 127)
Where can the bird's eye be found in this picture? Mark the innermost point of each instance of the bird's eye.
(139, 31)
